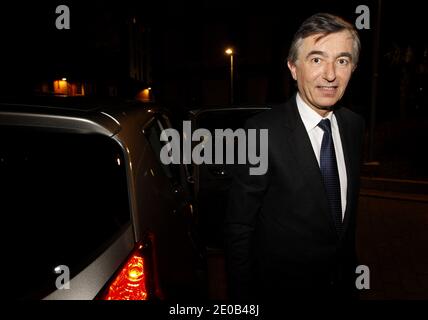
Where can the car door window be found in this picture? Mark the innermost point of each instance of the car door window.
(153, 134)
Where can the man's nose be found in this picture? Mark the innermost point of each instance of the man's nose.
(329, 72)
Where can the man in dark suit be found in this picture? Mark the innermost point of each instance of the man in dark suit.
(291, 231)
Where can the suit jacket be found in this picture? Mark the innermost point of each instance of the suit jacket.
(281, 239)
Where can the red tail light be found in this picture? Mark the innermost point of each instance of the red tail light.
(131, 282)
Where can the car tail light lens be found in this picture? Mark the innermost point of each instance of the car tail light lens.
(131, 282)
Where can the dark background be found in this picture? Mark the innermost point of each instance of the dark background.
(177, 48)
(182, 49)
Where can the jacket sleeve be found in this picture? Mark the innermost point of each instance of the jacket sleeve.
(244, 203)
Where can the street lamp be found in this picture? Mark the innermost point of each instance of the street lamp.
(229, 51)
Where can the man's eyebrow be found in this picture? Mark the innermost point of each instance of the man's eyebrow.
(316, 52)
(322, 53)
(344, 54)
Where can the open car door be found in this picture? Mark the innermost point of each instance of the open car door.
(212, 181)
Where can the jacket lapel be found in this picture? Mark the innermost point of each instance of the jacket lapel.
(350, 174)
(301, 147)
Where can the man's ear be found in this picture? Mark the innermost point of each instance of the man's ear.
(292, 68)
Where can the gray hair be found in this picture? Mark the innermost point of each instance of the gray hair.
(324, 24)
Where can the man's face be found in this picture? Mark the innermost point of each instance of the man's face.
(323, 69)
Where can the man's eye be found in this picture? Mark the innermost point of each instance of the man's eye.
(316, 60)
(343, 61)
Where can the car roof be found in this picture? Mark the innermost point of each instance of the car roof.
(56, 102)
(209, 109)
(81, 114)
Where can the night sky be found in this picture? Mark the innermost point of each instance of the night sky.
(186, 44)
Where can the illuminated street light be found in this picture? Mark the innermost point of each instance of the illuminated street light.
(229, 51)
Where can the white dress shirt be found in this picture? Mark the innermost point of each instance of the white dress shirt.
(311, 119)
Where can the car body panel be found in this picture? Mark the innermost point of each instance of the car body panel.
(87, 284)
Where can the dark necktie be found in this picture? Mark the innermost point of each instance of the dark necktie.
(330, 174)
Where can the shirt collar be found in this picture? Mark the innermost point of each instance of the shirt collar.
(309, 116)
